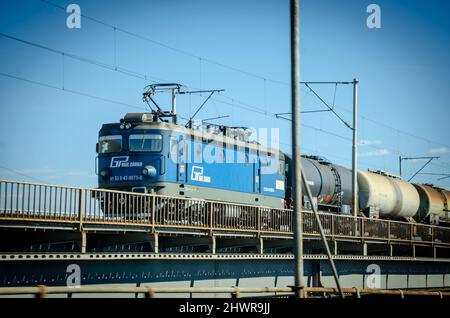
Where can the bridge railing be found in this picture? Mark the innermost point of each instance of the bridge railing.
(42, 291)
(39, 201)
(23, 201)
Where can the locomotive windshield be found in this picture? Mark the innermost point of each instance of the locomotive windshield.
(108, 144)
(145, 142)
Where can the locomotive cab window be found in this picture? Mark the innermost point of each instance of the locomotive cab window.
(151, 142)
(108, 144)
(264, 159)
(173, 147)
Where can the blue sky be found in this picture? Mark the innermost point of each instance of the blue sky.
(52, 105)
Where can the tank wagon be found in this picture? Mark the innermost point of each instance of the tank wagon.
(433, 201)
(387, 195)
(391, 197)
(330, 184)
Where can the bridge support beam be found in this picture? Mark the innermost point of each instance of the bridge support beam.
(83, 242)
(276, 244)
(260, 246)
(114, 242)
(316, 275)
(155, 243)
(188, 243)
(244, 243)
(212, 246)
(190, 270)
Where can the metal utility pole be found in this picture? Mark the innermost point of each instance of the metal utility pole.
(296, 165)
(174, 105)
(355, 199)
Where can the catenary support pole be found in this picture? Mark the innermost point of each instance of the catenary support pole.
(174, 105)
(355, 198)
(296, 172)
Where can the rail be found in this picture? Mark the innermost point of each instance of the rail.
(44, 204)
(42, 291)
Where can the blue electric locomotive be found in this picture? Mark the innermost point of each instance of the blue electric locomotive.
(147, 155)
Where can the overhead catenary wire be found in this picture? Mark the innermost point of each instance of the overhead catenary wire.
(71, 91)
(240, 104)
(330, 133)
(22, 174)
(121, 70)
(373, 146)
(374, 121)
(137, 107)
(84, 59)
(333, 155)
(329, 107)
(396, 129)
(142, 108)
(334, 95)
(211, 61)
(172, 48)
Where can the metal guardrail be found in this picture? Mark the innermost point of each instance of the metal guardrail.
(150, 292)
(42, 291)
(43, 203)
(319, 291)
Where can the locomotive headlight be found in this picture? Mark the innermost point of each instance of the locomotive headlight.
(125, 126)
(104, 173)
(149, 171)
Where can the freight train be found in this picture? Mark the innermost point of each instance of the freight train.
(148, 154)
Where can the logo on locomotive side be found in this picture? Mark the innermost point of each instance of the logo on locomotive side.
(123, 162)
(197, 175)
